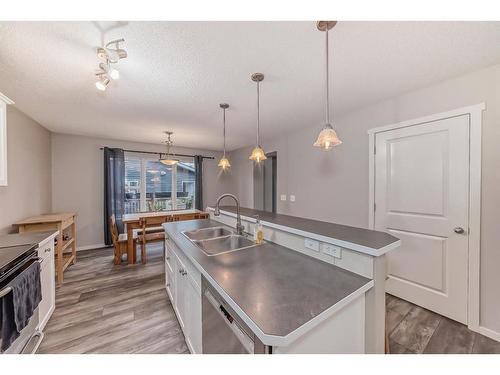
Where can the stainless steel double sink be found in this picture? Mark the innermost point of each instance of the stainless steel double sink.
(217, 240)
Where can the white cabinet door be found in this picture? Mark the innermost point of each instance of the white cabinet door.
(47, 279)
(193, 315)
(180, 292)
(421, 197)
(169, 273)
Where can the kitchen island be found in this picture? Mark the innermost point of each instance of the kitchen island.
(286, 301)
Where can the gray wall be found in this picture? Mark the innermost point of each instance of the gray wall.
(77, 180)
(29, 171)
(333, 186)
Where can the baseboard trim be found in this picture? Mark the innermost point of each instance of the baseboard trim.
(91, 247)
(494, 335)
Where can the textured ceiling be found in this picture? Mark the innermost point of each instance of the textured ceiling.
(177, 73)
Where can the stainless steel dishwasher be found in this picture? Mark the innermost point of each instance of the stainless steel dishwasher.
(223, 332)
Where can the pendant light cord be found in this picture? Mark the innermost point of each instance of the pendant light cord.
(327, 83)
(224, 132)
(258, 113)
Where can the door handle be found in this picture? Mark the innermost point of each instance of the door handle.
(459, 230)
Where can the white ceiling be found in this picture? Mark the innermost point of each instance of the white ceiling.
(177, 73)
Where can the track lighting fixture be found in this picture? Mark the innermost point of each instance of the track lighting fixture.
(110, 54)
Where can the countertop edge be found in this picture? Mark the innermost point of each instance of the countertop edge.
(273, 340)
(347, 245)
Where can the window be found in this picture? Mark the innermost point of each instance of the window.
(153, 186)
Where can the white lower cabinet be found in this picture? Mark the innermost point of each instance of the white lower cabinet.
(183, 284)
(47, 279)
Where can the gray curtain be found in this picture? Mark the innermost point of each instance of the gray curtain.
(198, 168)
(114, 189)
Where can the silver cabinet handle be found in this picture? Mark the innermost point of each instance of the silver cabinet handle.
(48, 250)
(184, 273)
(168, 258)
(181, 271)
(459, 230)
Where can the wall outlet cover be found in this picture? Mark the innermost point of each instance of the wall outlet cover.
(311, 244)
(292, 198)
(331, 250)
(283, 197)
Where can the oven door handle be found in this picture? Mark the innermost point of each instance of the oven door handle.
(8, 289)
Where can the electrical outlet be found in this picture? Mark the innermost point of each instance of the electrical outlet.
(331, 250)
(283, 197)
(292, 198)
(311, 244)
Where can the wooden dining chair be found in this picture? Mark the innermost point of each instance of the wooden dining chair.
(119, 240)
(146, 235)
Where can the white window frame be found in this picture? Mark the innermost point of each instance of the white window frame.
(142, 201)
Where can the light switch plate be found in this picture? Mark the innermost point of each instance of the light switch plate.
(311, 244)
(283, 197)
(292, 198)
(331, 250)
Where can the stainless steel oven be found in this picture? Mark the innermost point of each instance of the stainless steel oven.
(30, 337)
(223, 332)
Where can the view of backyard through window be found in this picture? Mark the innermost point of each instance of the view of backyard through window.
(151, 185)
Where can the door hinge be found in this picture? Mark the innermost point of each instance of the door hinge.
(375, 150)
(374, 207)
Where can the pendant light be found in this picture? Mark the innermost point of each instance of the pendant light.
(224, 162)
(327, 138)
(258, 153)
(169, 158)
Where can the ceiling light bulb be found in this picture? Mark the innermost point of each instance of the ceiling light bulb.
(113, 73)
(102, 84)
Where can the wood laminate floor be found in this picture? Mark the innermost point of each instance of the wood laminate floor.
(413, 329)
(103, 308)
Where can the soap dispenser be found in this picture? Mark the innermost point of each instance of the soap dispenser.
(258, 233)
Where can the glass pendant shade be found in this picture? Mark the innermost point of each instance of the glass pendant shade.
(258, 155)
(327, 138)
(168, 161)
(224, 163)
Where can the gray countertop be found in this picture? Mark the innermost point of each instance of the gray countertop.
(27, 238)
(278, 289)
(360, 239)
(12, 246)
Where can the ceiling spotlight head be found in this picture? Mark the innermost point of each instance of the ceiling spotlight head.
(224, 105)
(108, 70)
(257, 77)
(325, 25)
(102, 83)
(113, 73)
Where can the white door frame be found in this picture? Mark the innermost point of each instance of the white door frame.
(475, 116)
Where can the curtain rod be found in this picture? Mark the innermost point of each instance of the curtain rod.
(161, 153)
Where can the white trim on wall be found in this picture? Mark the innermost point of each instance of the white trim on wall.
(4, 101)
(474, 267)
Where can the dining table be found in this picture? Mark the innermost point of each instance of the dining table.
(133, 221)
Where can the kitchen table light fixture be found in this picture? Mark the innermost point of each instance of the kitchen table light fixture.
(169, 159)
(110, 54)
(327, 138)
(258, 153)
(224, 162)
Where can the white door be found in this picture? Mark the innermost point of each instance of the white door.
(421, 197)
